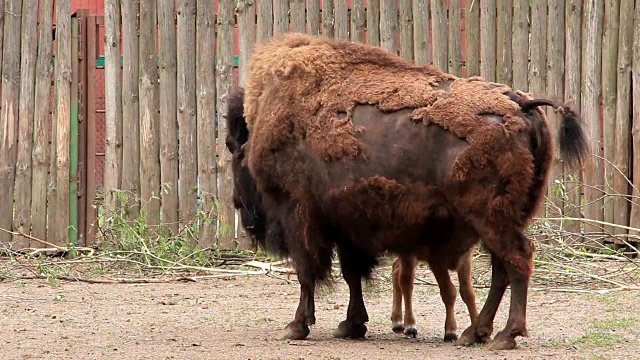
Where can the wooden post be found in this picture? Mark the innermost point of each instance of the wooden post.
(373, 22)
(520, 44)
(131, 107)
(206, 102)
(455, 38)
(91, 223)
(149, 104)
(591, 80)
(82, 196)
(42, 122)
(313, 17)
(622, 155)
(555, 89)
(439, 28)
(635, 130)
(538, 65)
(10, 106)
(327, 19)
(63, 119)
(609, 79)
(341, 14)
(504, 69)
(187, 149)
(22, 217)
(265, 20)
(280, 16)
(224, 78)
(488, 40)
(472, 35)
(246, 14)
(358, 18)
(421, 33)
(169, 115)
(406, 29)
(296, 10)
(113, 104)
(389, 26)
(73, 134)
(573, 177)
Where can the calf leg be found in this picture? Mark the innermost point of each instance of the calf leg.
(466, 287)
(396, 309)
(407, 276)
(448, 295)
(481, 329)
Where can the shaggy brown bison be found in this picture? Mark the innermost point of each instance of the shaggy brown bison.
(353, 148)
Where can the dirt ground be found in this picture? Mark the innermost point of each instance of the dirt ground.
(242, 317)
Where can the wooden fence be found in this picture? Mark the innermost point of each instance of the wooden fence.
(169, 65)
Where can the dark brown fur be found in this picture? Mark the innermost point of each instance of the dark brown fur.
(333, 172)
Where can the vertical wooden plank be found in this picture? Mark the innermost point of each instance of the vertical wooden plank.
(10, 106)
(327, 19)
(169, 114)
(92, 48)
(187, 148)
(42, 119)
(555, 89)
(224, 78)
(73, 135)
(520, 44)
(341, 15)
(635, 130)
(206, 117)
(63, 102)
(265, 20)
(149, 104)
(421, 33)
(488, 40)
(406, 29)
(113, 104)
(621, 176)
(439, 29)
(280, 16)
(504, 70)
(246, 14)
(358, 18)
(22, 217)
(537, 67)
(373, 22)
(389, 26)
(2, 4)
(297, 13)
(313, 17)
(82, 124)
(573, 61)
(590, 106)
(472, 38)
(131, 105)
(609, 79)
(455, 38)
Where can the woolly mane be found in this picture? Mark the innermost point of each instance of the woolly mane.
(330, 77)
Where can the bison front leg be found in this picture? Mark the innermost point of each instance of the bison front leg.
(354, 326)
(298, 329)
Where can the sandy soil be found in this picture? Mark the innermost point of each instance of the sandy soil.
(241, 318)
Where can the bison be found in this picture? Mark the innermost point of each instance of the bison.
(352, 148)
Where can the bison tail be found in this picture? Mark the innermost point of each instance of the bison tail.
(571, 138)
(236, 123)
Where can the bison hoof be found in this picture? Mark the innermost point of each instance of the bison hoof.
(347, 329)
(398, 328)
(473, 336)
(450, 337)
(295, 331)
(507, 344)
(411, 332)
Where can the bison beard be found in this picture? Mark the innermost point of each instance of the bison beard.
(350, 147)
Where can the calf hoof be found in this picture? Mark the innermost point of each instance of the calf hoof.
(450, 337)
(411, 332)
(398, 328)
(295, 331)
(348, 329)
(473, 336)
(497, 344)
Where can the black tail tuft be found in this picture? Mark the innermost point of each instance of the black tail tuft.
(236, 123)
